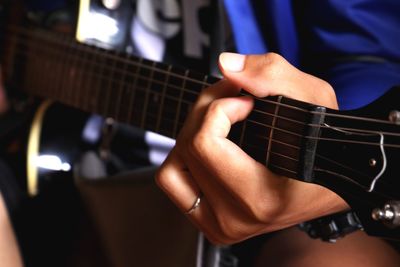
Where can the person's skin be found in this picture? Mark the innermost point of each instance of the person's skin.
(292, 247)
(9, 250)
(241, 197)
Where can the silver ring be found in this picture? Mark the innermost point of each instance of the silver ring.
(195, 204)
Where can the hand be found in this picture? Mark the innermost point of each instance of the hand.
(241, 197)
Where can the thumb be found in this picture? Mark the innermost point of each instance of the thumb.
(271, 74)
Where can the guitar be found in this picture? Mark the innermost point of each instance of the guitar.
(353, 153)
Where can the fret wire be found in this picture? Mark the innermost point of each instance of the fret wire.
(72, 76)
(96, 81)
(272, 132)
(57, 80)
(284, 156)
(164, 89)
(58, 72)
(175, 131)
(118, 107)
(91, 102)
(282, 168)
(260, 111)
(35, 70)
(29, 69)
(99, 83)
(35, 56)
(134, 86)
(370, 144)
(146, 101)
(63, 70)
(51, 89)
(140, 88)
(137, 63)
(40, 81)
(83, 79)
(65, 73)
(242, 133)
(82, 98)
(267, 126)
(68, 93)
(107, 78)
(277, 141)
(109, 87)
(330, 114)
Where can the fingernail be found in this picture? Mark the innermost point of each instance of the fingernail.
(232, 62)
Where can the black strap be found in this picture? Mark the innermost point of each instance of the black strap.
(332, 227)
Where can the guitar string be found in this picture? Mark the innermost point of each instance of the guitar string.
(267, 113)
(328, 139)
(318, 138)
(345, 140)
(116, 57)
(346, 116)
(156, 81)
(293, 133)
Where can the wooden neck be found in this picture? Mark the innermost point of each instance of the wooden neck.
(153, 96)
(292, 138)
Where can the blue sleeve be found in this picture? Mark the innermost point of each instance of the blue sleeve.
(354, 45)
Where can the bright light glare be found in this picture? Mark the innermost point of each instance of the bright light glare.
(99, 26)
(52, 162)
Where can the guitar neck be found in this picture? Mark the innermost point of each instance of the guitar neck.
(149, 95)
(292, 138)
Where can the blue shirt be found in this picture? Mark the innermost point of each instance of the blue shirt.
(353, 44)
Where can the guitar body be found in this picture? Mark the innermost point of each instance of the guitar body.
(48, 217)
(56, 141)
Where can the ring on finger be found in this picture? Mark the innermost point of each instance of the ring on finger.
(195, 205)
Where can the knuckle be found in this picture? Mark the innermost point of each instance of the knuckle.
(327, 94)
(198, 144)
(214, 108)
(272, 65)
(329, 90)
(164, 178)
(261, 211)
(161, 177)
(200, 141)
(272, 58)
(231, 230)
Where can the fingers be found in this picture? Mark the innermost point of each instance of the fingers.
(241, 197)
(271, 74)
(178, 183)
(236, 171)
(223, 88)
(175, 180)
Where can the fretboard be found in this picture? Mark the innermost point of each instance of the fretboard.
(150, 95)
